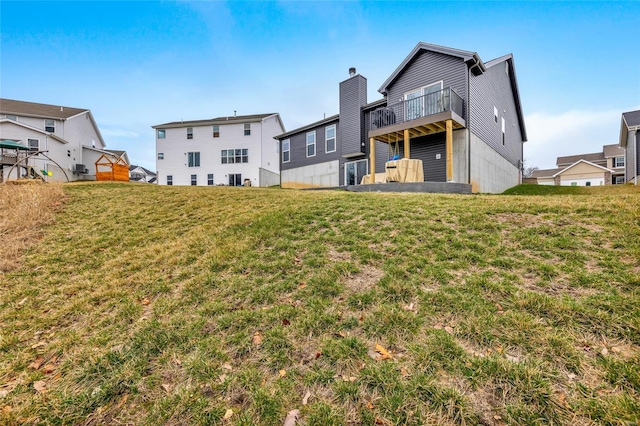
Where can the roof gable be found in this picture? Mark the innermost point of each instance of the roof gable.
(571, 159)
(578, 162)
(471, 58)
(34, 129)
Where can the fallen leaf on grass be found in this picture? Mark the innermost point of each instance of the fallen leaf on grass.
(318, 354)
(403, 372)
(6, 409)
(306, 398)
(145, 301)
(227, 367)
(37, 363)
(285, 322)
(228, 414)
(22, 302)
(48, 368)
(384, 354)
(166, 387)
(282, 373)
(257, 338)
(410, 307)
(37, 345)
(292, 416)
(370, 406)
(40, 386)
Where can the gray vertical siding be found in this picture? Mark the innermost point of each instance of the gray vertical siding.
(430, 67)
(298, 156)
(632, 155)
(353, 96)
(493, 88)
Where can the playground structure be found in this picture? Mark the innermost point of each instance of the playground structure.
(14, 156)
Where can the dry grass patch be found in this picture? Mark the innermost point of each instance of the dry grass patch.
(24, 209)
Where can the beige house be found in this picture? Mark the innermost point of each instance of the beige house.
(593, 169)
(63, 142)
(580, 173)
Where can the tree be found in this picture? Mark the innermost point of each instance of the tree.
(527, 171)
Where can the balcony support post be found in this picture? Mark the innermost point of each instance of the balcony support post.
(406, 144)
(449, 149)
(372, 159)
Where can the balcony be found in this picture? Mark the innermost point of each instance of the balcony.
(422, 115)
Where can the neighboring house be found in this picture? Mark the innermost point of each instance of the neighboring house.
(237, 150)
(630, 140)
(68, 139)
(580, 173)
(140, 174)
(593, 169)
(461, 116)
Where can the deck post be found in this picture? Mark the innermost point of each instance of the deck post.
(449, 150)
(372, 159)
(406, 144)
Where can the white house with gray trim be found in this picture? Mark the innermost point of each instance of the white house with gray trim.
(630, 141)
(68, 139)
(461, 116)
(234, 151)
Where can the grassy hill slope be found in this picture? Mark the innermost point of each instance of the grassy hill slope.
(192, 305)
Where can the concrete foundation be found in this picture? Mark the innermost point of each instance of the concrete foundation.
(321, 175)
(490, 172)
(431, 187)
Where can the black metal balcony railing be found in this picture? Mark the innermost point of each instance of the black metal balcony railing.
(421, 106)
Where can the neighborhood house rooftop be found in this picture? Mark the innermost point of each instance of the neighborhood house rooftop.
(32, 109)
(217, 120)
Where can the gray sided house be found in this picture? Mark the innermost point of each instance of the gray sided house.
(630, 141)
(461, 116)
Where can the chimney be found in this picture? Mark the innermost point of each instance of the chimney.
(352, 71)
(353, 95)
(234, 112)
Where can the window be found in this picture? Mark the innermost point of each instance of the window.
(161, 156)
(503, 130)
(210, 179)
(330, 139)
(169, 180)
(11, 117)
(34, 144)
(194, 180)
(286, 151)
(247, 129)
(617, 180)
(194, 159)
(49, 126)
(216, 131)
(587, 184)
(189, 132)
(618, 162)
(425, 101)
(162, 133)
(495, 114)
(354, 171)
(311, 144)
(230, 156)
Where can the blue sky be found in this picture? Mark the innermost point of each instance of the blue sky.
(137, 64)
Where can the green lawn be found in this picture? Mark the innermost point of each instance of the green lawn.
(190, 305)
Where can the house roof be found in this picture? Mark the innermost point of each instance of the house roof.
(613, 151)
(218, 120)
(471, 58)
(571, 159)
(308, 126)
(32, 109)
(35, 129)
(145, 170)
(630, 120)
(546, 173)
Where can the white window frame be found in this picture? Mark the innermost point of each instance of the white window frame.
(216, 133)
(53, 125)
(504, 127)
(617, 163)
(247, 129)
(327, 138)
(618, 180)
(210, 181)
(31, 148)
(189, 132)
(162, 134)
(161, 156)
(313, 143)
(170, 180)
(286, 149)
(193, 159)
(354, 163)
(11, 117)
(194, 180)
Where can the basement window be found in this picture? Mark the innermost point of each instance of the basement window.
(169, 180)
